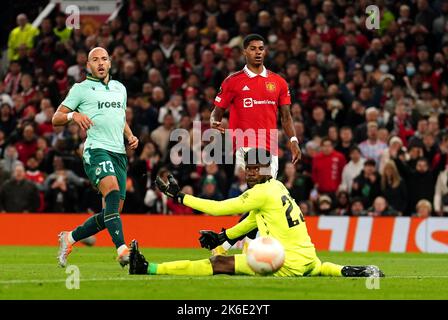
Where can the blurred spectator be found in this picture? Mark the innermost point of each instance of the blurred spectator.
(324, 205)
(306, 208)
(352, 169)
(210, 190)
(357, 207)
(61, 188)
(367, 185)
(298, 184)
(161, 135)
(8, 121)
(78, 71)
(381, 208)
(24, 33)
(240, 185)
(372, 148)
(395, 147)
(38, 177)
(441, 194)
(10, 160)
(423, 209)
(345, 143)
(12, 78)
(327, 168)
(394, 188)
(342, 207)
(61, 30)
(18, 194)
(27, 145)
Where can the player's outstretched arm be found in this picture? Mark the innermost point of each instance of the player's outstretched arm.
(249, 200)
(64, 115)
(288, 127)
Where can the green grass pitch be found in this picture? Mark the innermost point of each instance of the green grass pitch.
(32, 273)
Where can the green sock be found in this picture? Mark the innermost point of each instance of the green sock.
(91, 226)
(112, 219)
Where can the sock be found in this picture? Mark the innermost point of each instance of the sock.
(330, 269)
(182, 268)
(112, 219)
(226, 245)
(241, 266)
(121, 249)
(90, 227)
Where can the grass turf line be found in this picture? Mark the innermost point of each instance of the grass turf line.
(32, 273)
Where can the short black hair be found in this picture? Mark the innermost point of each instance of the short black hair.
(370, 162)
(252, 37)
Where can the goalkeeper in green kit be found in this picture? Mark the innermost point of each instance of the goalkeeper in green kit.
(98, 105)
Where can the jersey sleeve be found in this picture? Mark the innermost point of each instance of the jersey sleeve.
(73, 98)
(243, 227)
(225, 95)
(250, 200)
(284, 95)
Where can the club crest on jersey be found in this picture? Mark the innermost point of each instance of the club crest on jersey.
(98, 171)
(270, 86)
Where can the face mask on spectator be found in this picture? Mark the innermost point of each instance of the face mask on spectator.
(384, 68)
(368, 68)
(410, 70)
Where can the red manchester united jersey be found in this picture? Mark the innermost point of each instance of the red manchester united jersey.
(253, 100)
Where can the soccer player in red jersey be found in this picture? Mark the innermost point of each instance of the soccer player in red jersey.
(254, 96)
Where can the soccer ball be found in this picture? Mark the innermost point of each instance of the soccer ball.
(265, 255)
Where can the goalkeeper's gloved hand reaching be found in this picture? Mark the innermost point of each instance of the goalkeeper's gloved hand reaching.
(171, 189)
(210, 239)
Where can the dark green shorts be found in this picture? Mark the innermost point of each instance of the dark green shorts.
(100, 163)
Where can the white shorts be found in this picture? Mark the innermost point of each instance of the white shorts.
(239, 162)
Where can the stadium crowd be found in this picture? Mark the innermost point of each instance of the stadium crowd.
(369, 106)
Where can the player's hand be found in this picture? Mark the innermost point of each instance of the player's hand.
(218, 125)
(171, 189)
(296, 152)
(82, 120)
(210, 239)
(133, 142)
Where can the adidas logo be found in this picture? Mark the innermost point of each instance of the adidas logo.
(246, 88)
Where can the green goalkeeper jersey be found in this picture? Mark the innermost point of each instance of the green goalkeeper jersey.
(272, 210)
(105, 105)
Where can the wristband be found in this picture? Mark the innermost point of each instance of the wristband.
(180, 197)
(292, 139)
(70, 116)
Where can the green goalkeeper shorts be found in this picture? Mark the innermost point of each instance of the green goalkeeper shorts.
(100, 163)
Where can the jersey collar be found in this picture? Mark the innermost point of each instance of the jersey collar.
(92, 78)
(251, 74)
